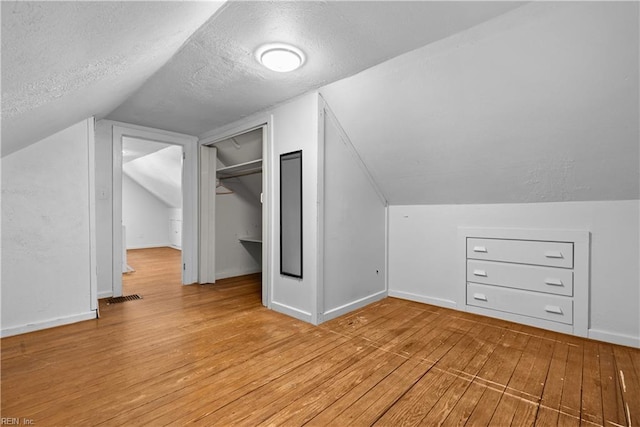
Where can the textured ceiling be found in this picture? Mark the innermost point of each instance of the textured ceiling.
(446, 102)
(241, 148)
(538, 105)
(215, 79)
(147, 63)
(65, 61)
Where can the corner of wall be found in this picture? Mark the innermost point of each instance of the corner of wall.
(353, 225)
(48, 232)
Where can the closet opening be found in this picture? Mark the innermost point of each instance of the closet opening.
(232, 209)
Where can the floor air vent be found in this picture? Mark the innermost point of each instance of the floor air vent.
(124, 298)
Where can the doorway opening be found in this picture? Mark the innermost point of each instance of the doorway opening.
(233, 208)
(151, 202)
(174, 194)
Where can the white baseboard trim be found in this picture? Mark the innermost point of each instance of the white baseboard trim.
(291, 311)
(151, 246)
(105, 294)
(424, 299)
(236, 273)
(614, 338)
(52, 323)
(344, 309)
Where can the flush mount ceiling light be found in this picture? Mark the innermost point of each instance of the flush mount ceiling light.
(280, 57)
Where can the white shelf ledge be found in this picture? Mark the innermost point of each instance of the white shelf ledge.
(240, 169)
(250, 239)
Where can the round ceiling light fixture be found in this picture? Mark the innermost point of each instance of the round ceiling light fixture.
(280, 57)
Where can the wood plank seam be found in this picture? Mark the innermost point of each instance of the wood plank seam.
(210, 353)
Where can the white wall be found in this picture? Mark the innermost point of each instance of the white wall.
(160, 173)
(295, 127)
(540, 104)
(354, 228)
(238, 215)
(104, 207)
(292, 126)
(175, 230)
(146, 217)
(486, 127)
(423, 253)
(105, 202)
(47, 270)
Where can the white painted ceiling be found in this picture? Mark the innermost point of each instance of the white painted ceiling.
(134, 148)
(488, 102)
(65, 61)
(215, 79)
(538, 105)
(157, 168)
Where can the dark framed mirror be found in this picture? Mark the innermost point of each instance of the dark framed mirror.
(291, 214)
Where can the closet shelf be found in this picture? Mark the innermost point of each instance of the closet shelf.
(250, 239)
(241, 169)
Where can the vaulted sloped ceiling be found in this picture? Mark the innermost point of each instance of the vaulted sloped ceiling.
(489, 102)
(65, 61)
(160, 173)
(537, 105)
(215, 79)
(156, 167)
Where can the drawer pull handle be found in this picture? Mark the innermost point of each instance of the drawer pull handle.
(553, 309)
(553, 254)
(479, 249)
(478, 296)
(553, 282)
(480, 273)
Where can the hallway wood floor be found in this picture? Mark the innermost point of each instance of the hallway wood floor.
(212, 355)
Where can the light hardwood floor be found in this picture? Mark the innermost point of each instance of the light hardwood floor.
(212, 355)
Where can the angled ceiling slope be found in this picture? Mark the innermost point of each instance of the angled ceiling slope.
(241, 149)
(134, 148)
(65, 61)
(215, 79)
(156, 167)
(538, 105)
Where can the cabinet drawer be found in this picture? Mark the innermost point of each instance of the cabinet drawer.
(532, 304)
(550, 280)
(553, 254)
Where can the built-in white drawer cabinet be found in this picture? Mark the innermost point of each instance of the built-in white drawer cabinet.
(550, 280)
(528, 276)
(553, 254)
(538, 305)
